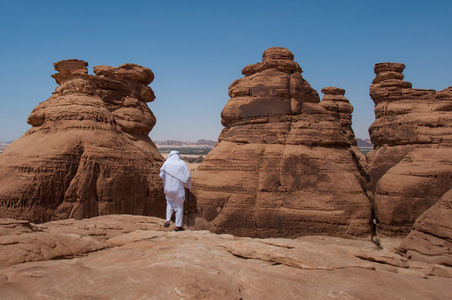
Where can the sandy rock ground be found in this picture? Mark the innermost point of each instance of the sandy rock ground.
(135, 257)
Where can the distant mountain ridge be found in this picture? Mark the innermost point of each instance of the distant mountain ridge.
(198, 143)
(364, 143)
(3, 145)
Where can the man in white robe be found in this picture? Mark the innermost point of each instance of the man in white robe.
(175, 175)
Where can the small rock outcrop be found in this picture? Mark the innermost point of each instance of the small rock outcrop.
(411, 167)
(284, 165)
(335, 102)
(88, 152)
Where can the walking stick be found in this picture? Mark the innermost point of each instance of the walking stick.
(188, 208)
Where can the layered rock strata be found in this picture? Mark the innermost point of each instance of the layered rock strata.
(431, 237)
(88, 152)
(411, 167)
(335, 102)
(284, 165)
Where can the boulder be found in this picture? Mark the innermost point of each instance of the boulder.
(284, 165)
(411, 167)
(88, 152)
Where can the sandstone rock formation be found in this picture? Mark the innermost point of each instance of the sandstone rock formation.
(431, 238)
(411, 167)
(135, 257)
(284, 165)
(88, 152)
(339, 107)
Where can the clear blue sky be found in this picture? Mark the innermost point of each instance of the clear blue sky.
(196, 49)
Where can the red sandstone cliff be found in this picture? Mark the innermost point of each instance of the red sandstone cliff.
(88, 152)
(284, 164)
(411, 168)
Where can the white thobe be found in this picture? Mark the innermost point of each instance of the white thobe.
(174, 188)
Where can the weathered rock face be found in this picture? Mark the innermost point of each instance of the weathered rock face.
(88, 152)
(431, 238)
(284, 165)
(411, 167)
(340, 108)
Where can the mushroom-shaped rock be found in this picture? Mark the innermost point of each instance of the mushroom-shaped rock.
(88, 152)
(284, 164)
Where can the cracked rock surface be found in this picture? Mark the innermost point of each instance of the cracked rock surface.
(135, 257)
